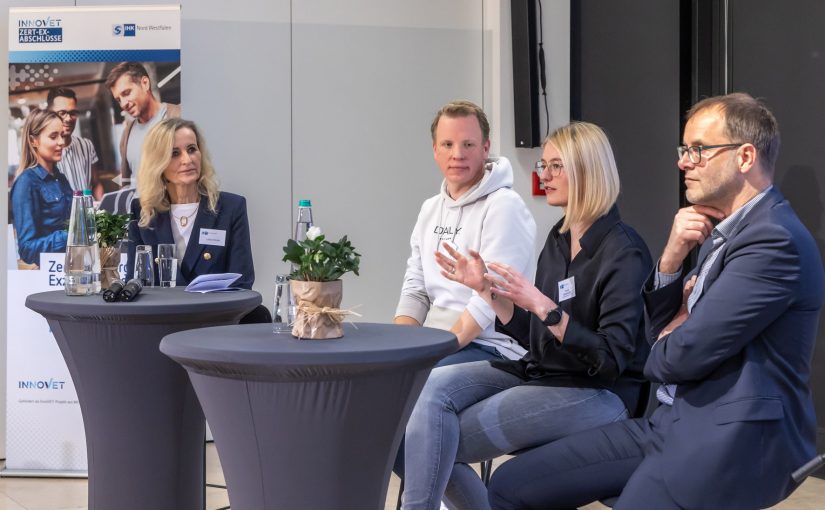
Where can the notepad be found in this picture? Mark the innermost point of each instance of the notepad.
(213, 283)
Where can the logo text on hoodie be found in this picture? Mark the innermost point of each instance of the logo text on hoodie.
(446, 232)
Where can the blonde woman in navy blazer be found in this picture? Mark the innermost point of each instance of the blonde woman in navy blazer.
(179, 203)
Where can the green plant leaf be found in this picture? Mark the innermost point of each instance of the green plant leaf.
(320, 260)
(111, 228)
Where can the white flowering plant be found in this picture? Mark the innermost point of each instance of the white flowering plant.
(317, 260)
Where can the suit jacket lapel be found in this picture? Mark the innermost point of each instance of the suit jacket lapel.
(768, 201)
(204, 219)
(163, 228)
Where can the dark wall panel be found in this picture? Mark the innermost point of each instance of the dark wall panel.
(626, 78)
(778, 53)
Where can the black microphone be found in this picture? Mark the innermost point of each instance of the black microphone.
(131, 290)
(812, 465)
(112, 294)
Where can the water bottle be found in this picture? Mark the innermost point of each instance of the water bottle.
(302, 225)
(88, 203)
(79, 263)
(304, 221)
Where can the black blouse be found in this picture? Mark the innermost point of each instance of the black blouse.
(605, 344)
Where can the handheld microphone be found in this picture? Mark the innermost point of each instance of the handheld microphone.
(112, 294)
(131, 290)
(812, 465)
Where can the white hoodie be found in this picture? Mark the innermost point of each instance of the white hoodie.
(490, 218)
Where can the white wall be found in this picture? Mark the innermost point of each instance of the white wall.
(332, 101)
(361, 122)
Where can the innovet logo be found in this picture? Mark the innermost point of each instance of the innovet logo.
(40, 30)
(124, 30)
(44, 384)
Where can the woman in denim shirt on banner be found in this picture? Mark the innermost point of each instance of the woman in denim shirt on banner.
(41, 196)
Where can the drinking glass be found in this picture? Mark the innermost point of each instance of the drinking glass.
(144, 269)
(167, 265)
(283, 314)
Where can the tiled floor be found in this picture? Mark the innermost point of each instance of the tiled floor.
(60, 494)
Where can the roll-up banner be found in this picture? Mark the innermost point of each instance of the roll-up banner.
(109, 73)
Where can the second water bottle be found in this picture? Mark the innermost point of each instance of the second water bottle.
(80, 257)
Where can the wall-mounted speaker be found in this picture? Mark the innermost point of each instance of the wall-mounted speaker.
(525, 73)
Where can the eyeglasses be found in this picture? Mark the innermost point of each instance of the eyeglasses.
(694, 152)
(555, 168)
(68, 113)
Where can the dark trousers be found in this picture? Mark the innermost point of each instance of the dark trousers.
(619, 458)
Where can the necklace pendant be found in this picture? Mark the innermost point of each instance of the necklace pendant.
(184, 221)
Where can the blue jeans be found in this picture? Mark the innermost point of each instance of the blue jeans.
(472, 412)
(470, 352)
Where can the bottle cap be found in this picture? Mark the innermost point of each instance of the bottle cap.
(77, 193)
(87, 192)
(304, 203)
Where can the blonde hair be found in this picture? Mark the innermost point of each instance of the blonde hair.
(154, 160)
(35, 124)
(591, 172)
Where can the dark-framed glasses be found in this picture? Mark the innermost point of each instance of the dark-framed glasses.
(554, 167)
(68, 113)
(694, 152)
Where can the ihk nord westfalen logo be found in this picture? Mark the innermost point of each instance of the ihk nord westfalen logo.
(124, 30)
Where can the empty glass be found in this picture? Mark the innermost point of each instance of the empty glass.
(283, 314)
(167, 265)
(144, 269)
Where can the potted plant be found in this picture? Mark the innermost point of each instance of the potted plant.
(111, 230)
(317, 266)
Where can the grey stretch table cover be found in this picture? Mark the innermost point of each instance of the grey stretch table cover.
(308, 424)
(144, 426)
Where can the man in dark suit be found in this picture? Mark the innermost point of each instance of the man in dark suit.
(732, 346)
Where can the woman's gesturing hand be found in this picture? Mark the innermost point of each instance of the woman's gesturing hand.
(467, 271)
(514, 286)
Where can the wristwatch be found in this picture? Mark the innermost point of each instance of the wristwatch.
(553, 317)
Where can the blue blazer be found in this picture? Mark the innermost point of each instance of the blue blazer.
(234, 257)
(743, 417)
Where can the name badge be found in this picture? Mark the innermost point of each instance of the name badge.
(212, 237)
(567, 289)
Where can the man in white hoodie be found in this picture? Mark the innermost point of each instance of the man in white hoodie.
(476, 208)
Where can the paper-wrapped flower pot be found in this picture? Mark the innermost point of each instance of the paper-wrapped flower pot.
(318, 315)
(109, 261)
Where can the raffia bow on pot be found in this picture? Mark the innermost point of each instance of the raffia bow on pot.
(109, 262)
(317, 316)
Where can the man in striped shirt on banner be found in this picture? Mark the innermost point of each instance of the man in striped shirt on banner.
(79, 161)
